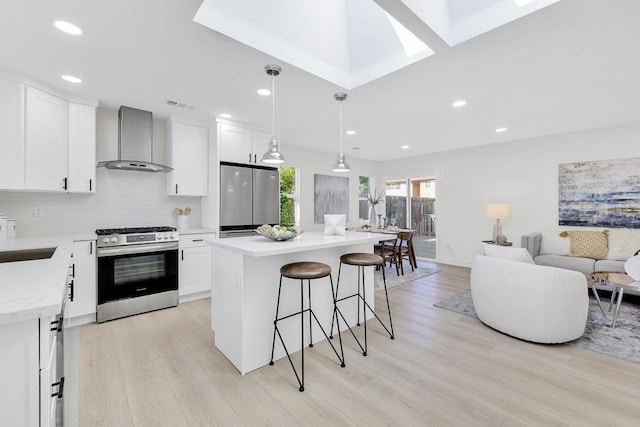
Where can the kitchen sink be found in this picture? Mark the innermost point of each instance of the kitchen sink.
(26, 254)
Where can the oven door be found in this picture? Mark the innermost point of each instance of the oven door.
(137, 270)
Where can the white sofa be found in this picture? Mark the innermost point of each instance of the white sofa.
(528, 301)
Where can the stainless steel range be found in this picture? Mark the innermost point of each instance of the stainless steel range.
(137, 270)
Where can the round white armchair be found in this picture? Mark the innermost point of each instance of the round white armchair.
(528, 301)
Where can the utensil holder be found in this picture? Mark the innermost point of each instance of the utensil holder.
(182, 222)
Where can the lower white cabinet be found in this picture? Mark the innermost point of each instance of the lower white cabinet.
(195, 269)
(31, 383)
(82, 288)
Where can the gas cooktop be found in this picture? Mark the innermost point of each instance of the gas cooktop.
(133, 230)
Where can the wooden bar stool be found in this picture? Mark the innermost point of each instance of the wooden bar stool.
(304, 271)
(362, 260)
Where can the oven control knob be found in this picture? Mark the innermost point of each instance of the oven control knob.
(171, 236)
(113, 240)
(105, 240)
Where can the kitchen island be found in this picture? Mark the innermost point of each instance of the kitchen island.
(246, 271)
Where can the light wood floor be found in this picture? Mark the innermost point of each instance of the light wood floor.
(445, 369)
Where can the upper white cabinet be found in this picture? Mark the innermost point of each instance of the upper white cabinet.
(11, 135)
(46, 143)
(82, 148)
(46, 130)
(241, 145)
(187, 154)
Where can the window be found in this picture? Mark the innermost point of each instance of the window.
(364, 187)
(289, 210)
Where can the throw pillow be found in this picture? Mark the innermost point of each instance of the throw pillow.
(516, 254)
(335, 224)
(588, 244)
(553, 243)
(623, 243)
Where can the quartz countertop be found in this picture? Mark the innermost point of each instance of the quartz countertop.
(32, 289)
(258, 246)
(196, 231)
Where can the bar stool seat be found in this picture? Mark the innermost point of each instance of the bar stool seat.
(361, 260)
(306, 270)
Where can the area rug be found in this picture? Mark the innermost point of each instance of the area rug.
(393, 279)
(622, 342)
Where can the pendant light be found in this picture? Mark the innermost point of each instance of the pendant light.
(273, 154)
(341, 164)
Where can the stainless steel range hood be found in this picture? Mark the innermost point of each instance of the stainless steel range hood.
(135, 142)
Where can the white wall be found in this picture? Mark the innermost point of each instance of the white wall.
(523, 174)
(122, 199)
(311, 162)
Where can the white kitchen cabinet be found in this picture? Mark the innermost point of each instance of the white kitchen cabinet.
(187, 154)
(82, 289)
(46, 130)
(241, 145)
(195, 270)
(11, 135)
(29, 372)
(235, 144)
(82, 149)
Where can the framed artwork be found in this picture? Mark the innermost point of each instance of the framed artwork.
(330, 196)
(604, 193)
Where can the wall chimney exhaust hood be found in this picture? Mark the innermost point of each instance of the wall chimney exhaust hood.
(135, 142)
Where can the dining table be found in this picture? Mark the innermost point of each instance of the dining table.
(390, 231)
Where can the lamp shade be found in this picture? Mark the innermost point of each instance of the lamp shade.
(495, 211)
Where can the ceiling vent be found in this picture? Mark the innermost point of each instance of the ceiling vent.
(181, 105)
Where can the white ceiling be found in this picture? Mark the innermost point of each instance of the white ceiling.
(572, 65)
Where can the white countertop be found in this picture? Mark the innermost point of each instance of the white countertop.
(258, 246)
(31, 289)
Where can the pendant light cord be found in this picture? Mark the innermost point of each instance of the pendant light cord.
(273, 105)
(341, 152)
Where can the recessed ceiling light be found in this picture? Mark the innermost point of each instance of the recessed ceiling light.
(460, 103)
(225, 115)
(500, 130)
(355, 148)
(71, 79)
(350, 132)
(264, 92)
(68, 28)
(405, 147)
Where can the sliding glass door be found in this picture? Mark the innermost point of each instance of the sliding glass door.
(410, 204)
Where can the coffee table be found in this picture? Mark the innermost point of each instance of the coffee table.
(620, 282)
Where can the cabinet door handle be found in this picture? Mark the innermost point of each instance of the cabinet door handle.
(182, 255)
(197, 240)
(90, 185)
(71, 290)
(249, 157)
(60, 385)
(65, 181)
(176, 188)
(73, 271)
(90, 248)
(255, 158)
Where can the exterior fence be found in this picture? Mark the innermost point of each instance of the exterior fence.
(423, 219)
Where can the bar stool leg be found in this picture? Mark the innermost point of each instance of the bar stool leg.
(337, 322)
(358, 323)
(364, 299)
(275, 322)
(302, 330)
(386, 294)
(310, 326)
(335, 306)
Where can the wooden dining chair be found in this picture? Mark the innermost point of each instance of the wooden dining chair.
(405, 250)
(388, 250)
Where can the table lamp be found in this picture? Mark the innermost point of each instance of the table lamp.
(498, 212)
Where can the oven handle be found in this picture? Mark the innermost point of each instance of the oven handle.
(137, 249)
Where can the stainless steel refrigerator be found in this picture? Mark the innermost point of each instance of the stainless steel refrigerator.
(249, 197)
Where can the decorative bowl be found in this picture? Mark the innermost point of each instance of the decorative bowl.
(278, 233)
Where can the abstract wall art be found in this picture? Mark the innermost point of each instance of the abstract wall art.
(331, 196)
(603, 193)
